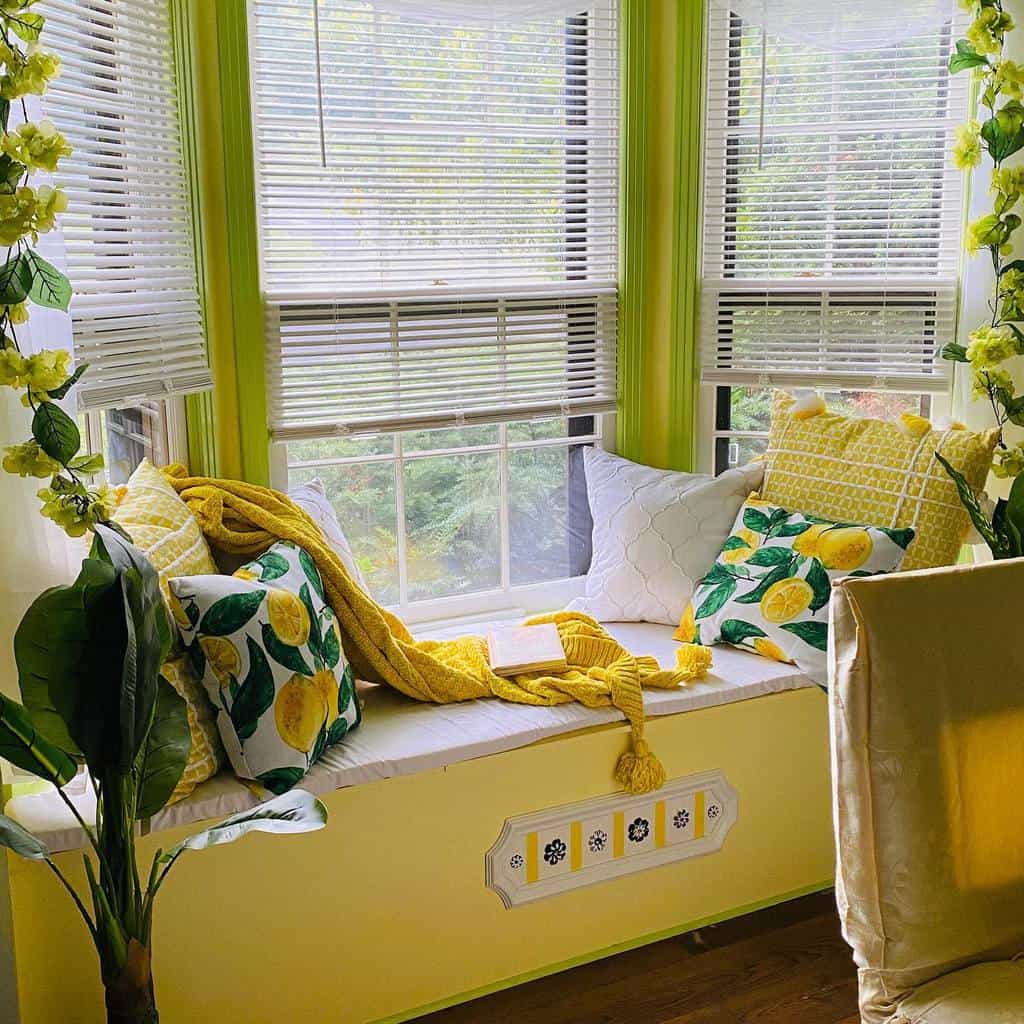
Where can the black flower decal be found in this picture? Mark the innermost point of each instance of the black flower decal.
(516, 862)
(554, 851)
(598, 840)
(681, 818)
(639, 830)
(713, 811)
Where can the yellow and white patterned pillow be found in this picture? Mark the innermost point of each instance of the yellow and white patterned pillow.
(206, 753)
(870, 471)
(166, 532)
(161, 525)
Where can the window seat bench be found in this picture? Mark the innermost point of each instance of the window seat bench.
(399, 736)
(397, 900)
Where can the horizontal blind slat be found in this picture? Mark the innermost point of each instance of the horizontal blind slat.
(136, 315)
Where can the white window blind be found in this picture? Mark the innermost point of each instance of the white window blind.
(438, 214)
(127, 232)
(832, 210)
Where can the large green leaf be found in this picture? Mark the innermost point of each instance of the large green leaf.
(15, 280)
(21, 841)
(56, 432)
(23, 745)
(147, 640)
(284, 654)
(255, 695)
(293, 812)
(814, 634)
(965, 57)
(954, 353)
(165, 754)
(231, 613)
(49, 286)
(69, 649)
(27, 25)
(1014, 512)
(1001, 143)
(997, 542)
(11, 171)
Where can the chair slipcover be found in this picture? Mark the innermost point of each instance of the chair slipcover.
(927, 715)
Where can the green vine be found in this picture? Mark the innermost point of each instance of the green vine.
(53, 448)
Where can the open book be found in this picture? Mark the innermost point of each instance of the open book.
(518, 649)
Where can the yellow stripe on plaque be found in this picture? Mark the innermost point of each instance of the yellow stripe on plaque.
(575, 846)
(698, 815)
(531, 857)
(659, 823)
(618, 834)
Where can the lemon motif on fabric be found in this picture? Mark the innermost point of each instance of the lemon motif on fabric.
(268, 649)
(300, 710)
(222, 658)
(786, 599)
(288, 617)
(768, 591)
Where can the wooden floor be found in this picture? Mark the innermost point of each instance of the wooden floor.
(785, 965)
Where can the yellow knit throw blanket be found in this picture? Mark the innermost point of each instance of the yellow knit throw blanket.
(243, 519)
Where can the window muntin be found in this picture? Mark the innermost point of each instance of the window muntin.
(438, 514)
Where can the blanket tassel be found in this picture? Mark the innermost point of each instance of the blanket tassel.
(638, 770)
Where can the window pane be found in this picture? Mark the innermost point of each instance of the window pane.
(549, 518)
(450, 437)
(737, 451)
(750, 409)
(340, 448)
(363, 495)
(451, 511)
(131, 435)
(545, 430)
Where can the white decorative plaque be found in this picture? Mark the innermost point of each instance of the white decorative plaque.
(548, 852)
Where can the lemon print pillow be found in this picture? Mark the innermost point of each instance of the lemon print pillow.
(769, 588)
(268, 648)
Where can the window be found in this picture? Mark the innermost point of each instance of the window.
(832, 221)
(127, 237)
(438, 225)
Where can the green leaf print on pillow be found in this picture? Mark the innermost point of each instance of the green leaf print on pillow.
(769, 589)
(231, 613)
(272, 663)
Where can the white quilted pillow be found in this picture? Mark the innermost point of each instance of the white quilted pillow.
(656, 534)
(312, 497)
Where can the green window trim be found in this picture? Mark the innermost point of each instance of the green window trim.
(660, 201)
(227, 429)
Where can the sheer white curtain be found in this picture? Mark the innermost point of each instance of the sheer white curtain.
(466, 12)
(845, 25)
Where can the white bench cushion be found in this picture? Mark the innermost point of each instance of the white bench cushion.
(399, 736)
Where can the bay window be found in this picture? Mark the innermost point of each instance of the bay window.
(832, 215)
(437, 193)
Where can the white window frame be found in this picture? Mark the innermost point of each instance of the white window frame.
(174, 425)
(507, 601)
(707, 427)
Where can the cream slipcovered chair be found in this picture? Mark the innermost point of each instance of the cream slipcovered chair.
(927, 703)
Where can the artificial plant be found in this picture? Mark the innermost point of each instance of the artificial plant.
(1001, 337)
(89, 654)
